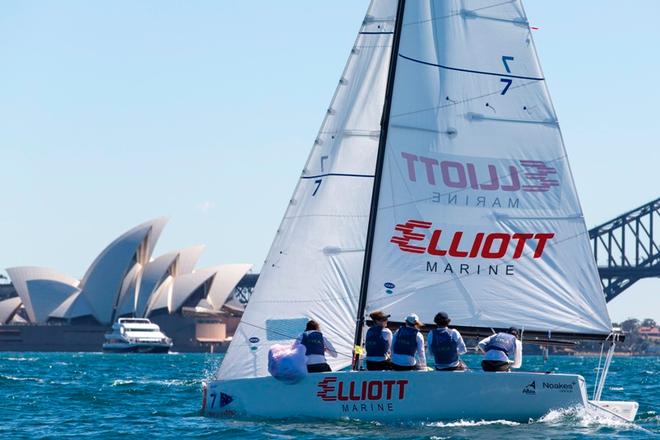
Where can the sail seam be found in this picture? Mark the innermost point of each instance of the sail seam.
(337, 175)
(479, 72)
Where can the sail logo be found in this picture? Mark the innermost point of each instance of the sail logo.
(495, 245)
(331, 390)
(483, 182)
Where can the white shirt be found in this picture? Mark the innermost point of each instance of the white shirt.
(497, 355)
(319, 358)
(387, 334)
(456, 337)
(403, 360)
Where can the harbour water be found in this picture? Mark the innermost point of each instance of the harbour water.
(101, 396)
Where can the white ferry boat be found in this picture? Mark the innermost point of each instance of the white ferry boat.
(136, 335)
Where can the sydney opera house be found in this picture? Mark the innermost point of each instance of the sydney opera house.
(197, 308)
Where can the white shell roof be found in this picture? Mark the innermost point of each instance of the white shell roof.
(8, 307)
(41, 290)
(102, 284)
(185, 285)
(156, 272)
(126, 303)
(161, 297)
(74, 306)
(225, 282)
(222, 281)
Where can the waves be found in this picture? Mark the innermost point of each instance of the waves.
(53, 395)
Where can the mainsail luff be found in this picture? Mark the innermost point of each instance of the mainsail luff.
(378, 175)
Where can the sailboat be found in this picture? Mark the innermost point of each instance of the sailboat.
(438, 181)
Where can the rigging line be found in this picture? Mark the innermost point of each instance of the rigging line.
(282, 334)
(479, 72)
(337, 175)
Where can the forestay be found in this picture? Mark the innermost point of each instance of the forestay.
(478, 214)
(314, 267)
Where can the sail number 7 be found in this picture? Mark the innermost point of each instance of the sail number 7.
(318, 185)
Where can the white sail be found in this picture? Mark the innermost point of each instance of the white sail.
(478, 214)
(314, 267)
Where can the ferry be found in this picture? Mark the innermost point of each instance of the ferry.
(136, 335)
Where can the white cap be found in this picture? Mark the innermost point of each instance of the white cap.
(413, 319)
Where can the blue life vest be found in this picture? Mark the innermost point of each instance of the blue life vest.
(503, 342)
(375, 342)
(405, 341)
(313, 341)
(443, 347)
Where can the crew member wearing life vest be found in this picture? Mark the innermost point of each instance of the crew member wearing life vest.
(408, 346)
(500, 349)
(316, 346)
(378, 343)
(446, 345)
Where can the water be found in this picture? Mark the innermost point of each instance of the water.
(97, 396)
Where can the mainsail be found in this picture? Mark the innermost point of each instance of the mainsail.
(314, 267)
(478, 215)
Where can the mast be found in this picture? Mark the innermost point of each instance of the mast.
(380, 159)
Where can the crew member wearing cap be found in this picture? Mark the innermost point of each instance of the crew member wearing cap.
(316, 346)
(499, 348)
(408, 346)
(446, 345)
(378, 343)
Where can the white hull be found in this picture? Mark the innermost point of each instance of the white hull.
(401, 396)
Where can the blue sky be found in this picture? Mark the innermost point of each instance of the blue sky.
(112, 113)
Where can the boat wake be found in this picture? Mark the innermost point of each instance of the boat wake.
(471, 423)
(586, 417)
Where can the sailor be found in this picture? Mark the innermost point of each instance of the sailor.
(499, 349)
(408, 346)
(316, 346)
(378, 343)
(446, 345)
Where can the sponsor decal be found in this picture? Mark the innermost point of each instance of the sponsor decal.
(253, 340)
(530, 389)
(389, 288)
(482, 182)
(418, 237)
(558, 386)
(363, 396)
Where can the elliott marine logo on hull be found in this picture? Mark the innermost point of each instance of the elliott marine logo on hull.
(362, 396)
